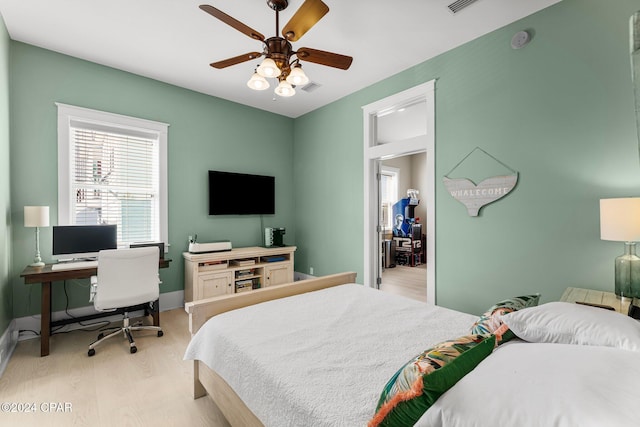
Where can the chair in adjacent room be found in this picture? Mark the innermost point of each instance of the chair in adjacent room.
(127, 280)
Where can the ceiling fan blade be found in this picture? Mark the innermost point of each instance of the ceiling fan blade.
(324, 58)
(306, 17)
(245, 29)
(236, 60)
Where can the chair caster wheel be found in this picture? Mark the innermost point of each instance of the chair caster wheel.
(133, 349)
(91, 352)
(160, 333)
(100, 336)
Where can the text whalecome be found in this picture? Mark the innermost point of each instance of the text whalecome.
(480, 192)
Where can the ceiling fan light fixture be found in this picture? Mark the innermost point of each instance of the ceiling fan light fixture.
(297, 77)
(285, 89)
(268, 68)
(278, 51)
(257, 82)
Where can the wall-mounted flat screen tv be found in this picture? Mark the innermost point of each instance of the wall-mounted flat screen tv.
(233, 193)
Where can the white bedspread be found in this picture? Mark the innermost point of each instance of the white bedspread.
(322, 358)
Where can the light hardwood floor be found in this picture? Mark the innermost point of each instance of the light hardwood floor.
(407, 281)
(152, 387)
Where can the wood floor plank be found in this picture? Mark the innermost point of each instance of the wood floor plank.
(406, 281)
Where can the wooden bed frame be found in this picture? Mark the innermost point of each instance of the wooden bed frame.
(207, 381)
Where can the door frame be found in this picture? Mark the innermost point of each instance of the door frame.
(374, 153)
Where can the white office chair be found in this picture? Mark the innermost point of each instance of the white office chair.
(127, 279)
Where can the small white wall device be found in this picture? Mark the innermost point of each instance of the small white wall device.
(520, 39)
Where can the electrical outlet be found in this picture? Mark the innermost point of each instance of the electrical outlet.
(311, 271)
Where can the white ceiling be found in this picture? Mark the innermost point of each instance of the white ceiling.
(174, 41)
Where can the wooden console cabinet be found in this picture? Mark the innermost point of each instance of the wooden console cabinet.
(238, 270)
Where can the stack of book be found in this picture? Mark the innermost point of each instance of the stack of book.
(244, 273)
(244, 285)
(212, 265)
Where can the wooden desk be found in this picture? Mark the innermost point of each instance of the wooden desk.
(45, 275)
(596, 297)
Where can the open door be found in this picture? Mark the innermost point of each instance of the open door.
(379, 224)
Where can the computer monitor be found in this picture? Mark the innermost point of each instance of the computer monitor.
(83, 241)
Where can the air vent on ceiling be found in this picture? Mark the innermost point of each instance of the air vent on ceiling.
(458, 5)
(310, 87)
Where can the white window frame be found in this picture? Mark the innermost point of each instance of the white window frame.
(67, 114)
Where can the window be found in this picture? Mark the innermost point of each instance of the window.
(388, 194)
(112, 170)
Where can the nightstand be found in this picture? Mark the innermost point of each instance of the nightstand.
(596, 297)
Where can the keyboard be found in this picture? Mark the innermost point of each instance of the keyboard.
(74, 265)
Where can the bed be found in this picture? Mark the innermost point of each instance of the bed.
(319, 353)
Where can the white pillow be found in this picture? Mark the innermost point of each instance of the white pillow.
(568, 323)
(533, 385)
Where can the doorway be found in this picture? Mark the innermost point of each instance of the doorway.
(403, 251)
(390, 133)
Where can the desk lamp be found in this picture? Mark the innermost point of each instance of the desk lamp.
(620, 221)
(36, 216)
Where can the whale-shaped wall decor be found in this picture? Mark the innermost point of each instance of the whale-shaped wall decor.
(476, 196)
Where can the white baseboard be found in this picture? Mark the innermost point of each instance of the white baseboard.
(8, 343)
(301, 276)
(168, 301)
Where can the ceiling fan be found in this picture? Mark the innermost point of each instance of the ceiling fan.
(279, 55)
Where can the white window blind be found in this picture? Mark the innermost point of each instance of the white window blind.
(113, 176)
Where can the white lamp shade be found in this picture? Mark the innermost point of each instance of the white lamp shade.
(268, 68)
(297, 77)
(257, 82)
(36, 216)
(285, 89)
(620, 219)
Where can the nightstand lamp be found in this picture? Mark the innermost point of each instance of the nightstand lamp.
(620, 221)
(36, 216)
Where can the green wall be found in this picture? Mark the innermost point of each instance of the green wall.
(6, 295)
(559, 111)
(205, 133)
